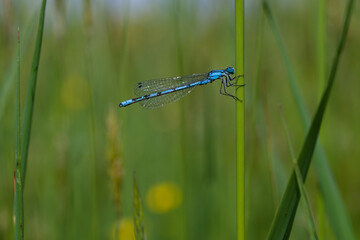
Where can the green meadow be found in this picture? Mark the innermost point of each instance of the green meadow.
(76, 166)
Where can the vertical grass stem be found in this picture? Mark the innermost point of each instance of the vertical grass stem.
(19, 203)
(240, 121)
(30, 97)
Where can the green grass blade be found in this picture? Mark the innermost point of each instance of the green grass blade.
(88, 26)
(321, 78)
(282, 224)
(292, 79)
(19, 204)
(30, 97)
(9, 82)
(138, 213)
(335, 207)
(300, 181)
(321, 43)
(240, 121)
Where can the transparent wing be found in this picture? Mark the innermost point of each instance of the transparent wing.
(159, 85)
(162, 100)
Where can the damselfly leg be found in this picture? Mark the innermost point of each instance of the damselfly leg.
(223, 91)
(230, 84)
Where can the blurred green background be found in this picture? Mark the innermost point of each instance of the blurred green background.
(84, 149)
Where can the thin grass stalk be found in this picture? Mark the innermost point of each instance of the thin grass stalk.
(118, 50)
(256, 84)
(300, 180)
(9, 82)
(183, 134)
(240, 121)
(30, 97)
(19, 202)
(88, 25)
(178, 45)
(320, 54)
(335, 206)
(258, 102)
(124, 47)
(259, 111)
(321, 43)
(138, 212)
(291, 75)
(282, 224)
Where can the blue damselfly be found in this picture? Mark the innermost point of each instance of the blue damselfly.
(158, 92)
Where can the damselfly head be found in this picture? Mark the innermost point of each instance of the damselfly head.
(230, 70)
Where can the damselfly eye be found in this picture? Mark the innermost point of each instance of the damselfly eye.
(230, 70)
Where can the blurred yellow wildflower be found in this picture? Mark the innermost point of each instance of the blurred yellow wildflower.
(123, 230)
(163, 197)
(75, 93)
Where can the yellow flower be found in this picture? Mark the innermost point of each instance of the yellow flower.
(163, 197)
(123, 230)
(75, 93)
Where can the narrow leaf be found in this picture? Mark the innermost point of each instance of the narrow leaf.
(138, 213)
(9, 83)
(300, 181)
(18, 201)
(240, 121)
(30, 97)
(282, 223)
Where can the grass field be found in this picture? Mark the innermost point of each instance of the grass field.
(84, 150)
